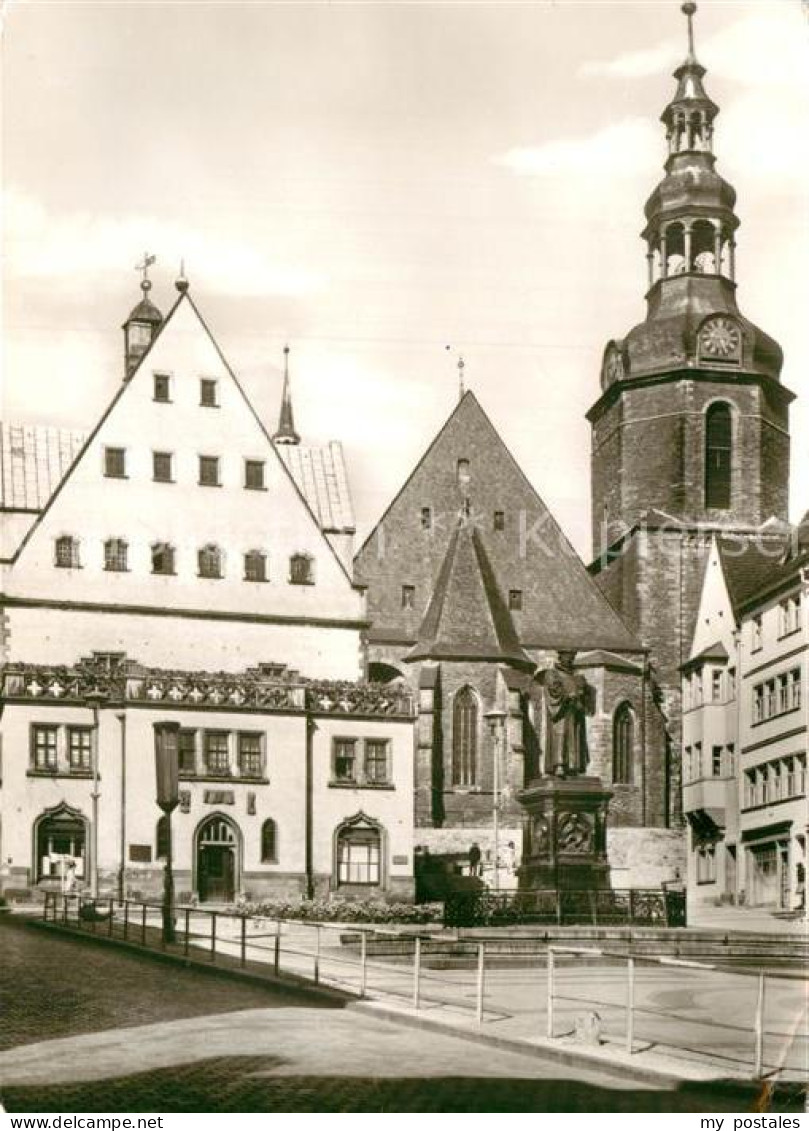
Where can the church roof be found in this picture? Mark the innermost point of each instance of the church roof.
(33, 461)
(320, 476)
(467, 618)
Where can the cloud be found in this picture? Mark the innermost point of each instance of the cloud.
(620, 149)
(761, 49)
(39, 245)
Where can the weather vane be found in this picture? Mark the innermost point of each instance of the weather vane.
(143, 267)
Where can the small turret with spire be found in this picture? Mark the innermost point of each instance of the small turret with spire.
(143, 322)
(285, 433)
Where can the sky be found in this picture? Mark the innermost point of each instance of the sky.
(386, 186)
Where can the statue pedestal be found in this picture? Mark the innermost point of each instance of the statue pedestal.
(564, 835)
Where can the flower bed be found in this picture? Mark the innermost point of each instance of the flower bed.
(343, 911)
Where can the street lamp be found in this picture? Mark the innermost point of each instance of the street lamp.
(496, 719)
(166, 765)
(94, 700)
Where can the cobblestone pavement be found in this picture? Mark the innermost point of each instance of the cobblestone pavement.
(88, 1029)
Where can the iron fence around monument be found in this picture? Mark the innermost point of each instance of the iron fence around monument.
(630, 907)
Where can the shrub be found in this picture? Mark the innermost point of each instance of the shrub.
(343, 911)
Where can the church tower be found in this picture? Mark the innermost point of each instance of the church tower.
(690, 434)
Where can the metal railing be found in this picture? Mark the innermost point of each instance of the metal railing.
(636, 907)
(749, 1027)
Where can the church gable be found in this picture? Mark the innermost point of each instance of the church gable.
(180, 499)
(469, 471)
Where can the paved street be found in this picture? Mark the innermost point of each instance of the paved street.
(90, 1029)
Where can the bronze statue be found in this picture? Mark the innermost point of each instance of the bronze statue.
(567, 703)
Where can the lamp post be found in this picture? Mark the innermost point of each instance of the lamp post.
(166, 766)
(94, 700)
(496, 719)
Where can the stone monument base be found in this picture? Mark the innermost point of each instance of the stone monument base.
(564, 835)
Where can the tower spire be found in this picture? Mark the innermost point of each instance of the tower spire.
(285, 433)
(688, 10)
(461, 385)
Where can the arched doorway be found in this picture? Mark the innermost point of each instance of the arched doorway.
(60, 838)
(217, 859)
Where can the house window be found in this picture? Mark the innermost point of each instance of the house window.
(67, 552)
(623, 744)
(426, 518)
(770, 708)
(209, 471)
(789, 770)
(783, 694)
(217, 753)
(115, 463)
(794, 689)
(749, 788)
(162, 467)
(697, 760)
(758, 703)
(43, 742)
(499, 521)
(515, 600)
(115, 555)
(250, 756)
(716, 761)
(706, 864)
(756, 632)
(79, 747)
(465, 738)
(269, 842)
(345, 759)
(358, 856)
(162, 558)
(254, 474)
(187, 752)
(162, 837)
(688, 772)
(208, 393)
(731, 760)
(731, 683)
(301, 570)
(162, 387)
(255, 566)
(408, 596)
(718, 453)
(209, 559)
(716, 685)
(376, 761)
(697, 687)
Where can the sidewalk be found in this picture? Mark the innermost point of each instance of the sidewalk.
(754, 920)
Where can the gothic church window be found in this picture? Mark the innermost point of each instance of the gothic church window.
(465, 725)
(269, 842)
(718, 453)
(623, 741)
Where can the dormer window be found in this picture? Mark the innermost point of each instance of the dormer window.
(301, 570)
(162, 387)
(208, 393)
(115, 463)
(67, 552)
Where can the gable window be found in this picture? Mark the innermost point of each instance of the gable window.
(499, 522)
(623, 744)
(162, 387)
(463, 473)
(187, 751)
(376, 761)
(67, 552)
(515, 600)
(79, 747)
(301, 570)
(250, 755)
(426, 518)
(217, 752)
(208, 397)
(255, 566)
(162, 467)
(43, 747)
(465, 738)
(718, 452)
(408, 596)
(115, 555)
(209, 559)
(345, 759)
(209, 471)
(162, 558)
(254, 474)
(115, 463)
(269, 842)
